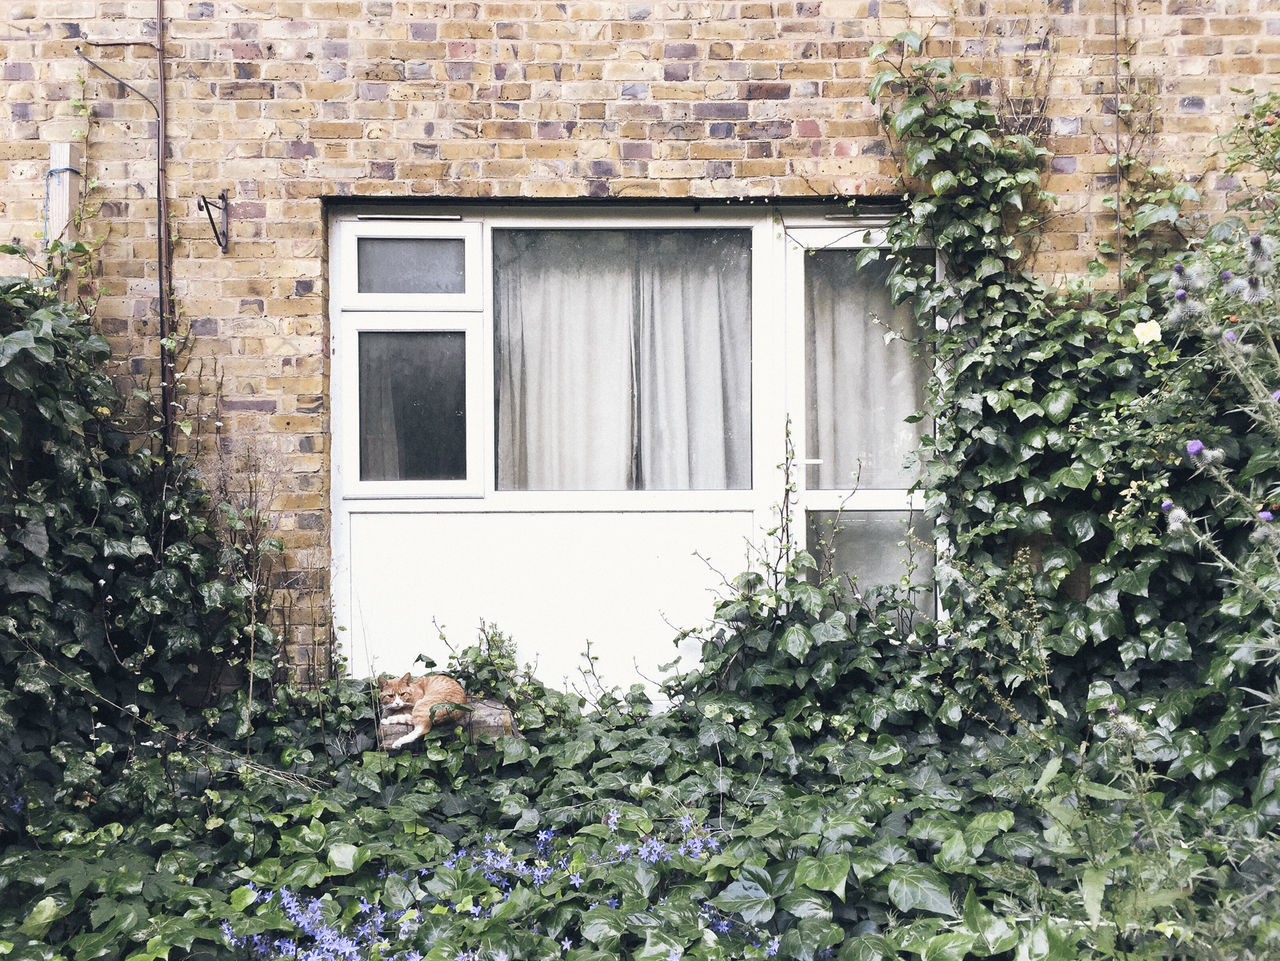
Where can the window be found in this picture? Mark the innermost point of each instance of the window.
(540, 411)
(622, 359)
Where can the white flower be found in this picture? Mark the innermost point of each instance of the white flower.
(1147, 332)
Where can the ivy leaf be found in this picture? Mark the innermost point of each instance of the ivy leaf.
(796, 641)
(998, 934)
(345, 858)
(914, 886)
(1171, 645)
(1076, 476)
(826, 873)
(747, 898)
(34, 537)
(948, 947)
(943, 181)
(41, 916)
(868, 947)
(241, 898)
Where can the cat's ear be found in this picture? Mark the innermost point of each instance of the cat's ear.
(405, 679)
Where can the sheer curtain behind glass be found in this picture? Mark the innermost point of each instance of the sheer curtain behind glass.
(622, 359)
(860, 389)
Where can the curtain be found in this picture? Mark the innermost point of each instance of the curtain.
(622, 359)
(859, 388)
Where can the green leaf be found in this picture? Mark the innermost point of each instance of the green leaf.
(913, 886)
(1075, 476)
(796, 641)
(943, 182)
(241, 898)
(998, 934)
(948, 947)
(41, 916)
(826, 873)
(747, 898)
(1092, 885)
(345, 858)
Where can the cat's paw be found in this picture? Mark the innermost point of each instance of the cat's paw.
(402, 741)
(393, 721)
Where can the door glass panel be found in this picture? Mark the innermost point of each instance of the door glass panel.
(623, 359)
(413, 423)
(875, 547)
(411, 265)
(859, 388)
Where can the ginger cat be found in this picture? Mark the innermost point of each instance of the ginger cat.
(408, 701)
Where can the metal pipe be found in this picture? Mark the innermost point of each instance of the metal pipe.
(165, 252)
(164, 272)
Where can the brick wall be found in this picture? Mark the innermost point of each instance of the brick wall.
(286, 102)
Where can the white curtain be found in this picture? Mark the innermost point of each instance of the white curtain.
(860, 389)
(623, 359)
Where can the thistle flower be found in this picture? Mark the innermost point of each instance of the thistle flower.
(1166, 505)
(1229, 337)
(1184, 307)
(1255, 291)
(1178, 520)
(1266, 516)
(1195, 448)
(1194, 277)
(1261, 250)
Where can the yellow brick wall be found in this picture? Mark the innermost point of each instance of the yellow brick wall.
(287, 102)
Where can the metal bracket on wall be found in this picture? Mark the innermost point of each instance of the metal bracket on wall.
(223, 236)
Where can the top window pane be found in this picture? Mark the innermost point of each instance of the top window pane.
(411, 265)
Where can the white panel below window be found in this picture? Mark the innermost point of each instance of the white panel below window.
(628, 582)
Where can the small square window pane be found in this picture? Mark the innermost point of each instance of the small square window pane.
(863, 377)
(413, 423)
(875, 548)
(411, 265)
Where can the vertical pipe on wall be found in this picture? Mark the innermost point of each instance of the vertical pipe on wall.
(164, 268)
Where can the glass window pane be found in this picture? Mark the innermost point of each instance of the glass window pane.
(411, 265)
(413, 423)
(858, 388)
(623, 359)
(875, 547)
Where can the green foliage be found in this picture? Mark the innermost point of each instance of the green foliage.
(117, 608)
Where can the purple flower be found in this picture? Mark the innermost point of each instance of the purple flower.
(1229, 337)
(1166, 506)
(1266, 516)
(1275, 395)
(1194, 447)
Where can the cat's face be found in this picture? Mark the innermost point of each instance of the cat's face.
(394, 691)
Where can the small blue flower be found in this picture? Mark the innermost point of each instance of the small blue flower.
(611, 819)
(575, 879)
(772, 949)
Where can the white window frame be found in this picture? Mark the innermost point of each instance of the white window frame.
(801, 241)
(384, 228)
(352, 312)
